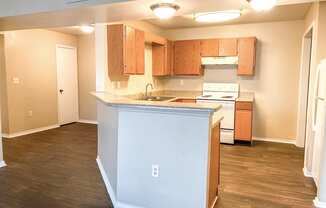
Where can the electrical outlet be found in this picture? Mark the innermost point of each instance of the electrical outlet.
(181, 82)
(155, 171)
(30, 113)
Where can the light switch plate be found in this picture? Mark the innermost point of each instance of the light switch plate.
(15, 80)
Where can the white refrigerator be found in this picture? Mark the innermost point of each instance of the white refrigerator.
(319, 120)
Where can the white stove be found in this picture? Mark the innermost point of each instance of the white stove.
(226, 95)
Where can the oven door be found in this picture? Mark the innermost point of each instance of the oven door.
(227, 112)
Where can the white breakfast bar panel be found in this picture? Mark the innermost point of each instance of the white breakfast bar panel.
(133, 138)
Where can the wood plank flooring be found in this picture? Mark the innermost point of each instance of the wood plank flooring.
(57, 168)
(53, 169)
(267, 175)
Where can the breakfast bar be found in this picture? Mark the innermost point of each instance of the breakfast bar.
(177, 144)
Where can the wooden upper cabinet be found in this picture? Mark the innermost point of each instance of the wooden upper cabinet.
(170, 58)
(126, 50)
(228, 47)
(209, 47)
(247, 55)
(158, 60)
(162, 59)
(130, 51)
(187, 59)
(116, 50)
(140, 52)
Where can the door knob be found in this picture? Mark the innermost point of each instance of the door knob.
(61, 91)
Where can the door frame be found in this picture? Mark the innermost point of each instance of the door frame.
(58, 87)
(305, 71)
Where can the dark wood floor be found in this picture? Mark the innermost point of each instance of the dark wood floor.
(267, 175)
(57, 168)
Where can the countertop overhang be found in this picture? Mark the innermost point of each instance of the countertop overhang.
(125, 101)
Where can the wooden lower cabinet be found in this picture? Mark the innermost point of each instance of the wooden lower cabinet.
(243, 121)
(214, 166)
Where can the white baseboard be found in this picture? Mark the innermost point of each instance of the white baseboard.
(116, 204)
(30, 131)
(2, 164)
(106, 181)
(87, 121)
(307, 173)
(319, 204)
(276, 140)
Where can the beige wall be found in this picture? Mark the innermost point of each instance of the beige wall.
(86, 77)
(321, 48)
(277, 72)
(2, 85)
(30, 55)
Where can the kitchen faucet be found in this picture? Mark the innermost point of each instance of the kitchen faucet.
(146, 92)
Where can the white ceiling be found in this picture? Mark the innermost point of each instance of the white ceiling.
(130, 10)
(279, 13)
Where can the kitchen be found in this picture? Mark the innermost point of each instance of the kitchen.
(184, 107)
(229, 119)
(178, 59)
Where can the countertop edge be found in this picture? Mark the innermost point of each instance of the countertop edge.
(160, 105)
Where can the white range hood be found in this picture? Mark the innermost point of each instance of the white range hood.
(228, 60)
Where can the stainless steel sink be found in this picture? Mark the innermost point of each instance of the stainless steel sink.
(157, 98)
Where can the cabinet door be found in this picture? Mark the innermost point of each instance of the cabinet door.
(214, 166)
(228, 47)
(187, 57)
(209, 47)
(169, 58)
(247, 56)
(130, 52)
(243, 125)
(140, 51)
(115, 50)
(162, 59)
(158, 60)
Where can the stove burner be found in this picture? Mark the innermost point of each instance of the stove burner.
(227, 97)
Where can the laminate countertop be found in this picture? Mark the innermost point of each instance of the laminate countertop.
(246, 97)
(135, 101)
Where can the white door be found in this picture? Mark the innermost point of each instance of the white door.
(319, 118)
(67, 84)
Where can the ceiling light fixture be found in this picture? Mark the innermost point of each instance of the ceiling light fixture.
(262, 5)
(220, 16)
(87, 28)
(164, 10)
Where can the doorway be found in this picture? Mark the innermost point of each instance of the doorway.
(67, 84)
(305, 136)
(304, 88)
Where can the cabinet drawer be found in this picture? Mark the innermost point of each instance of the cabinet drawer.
(244, 106)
